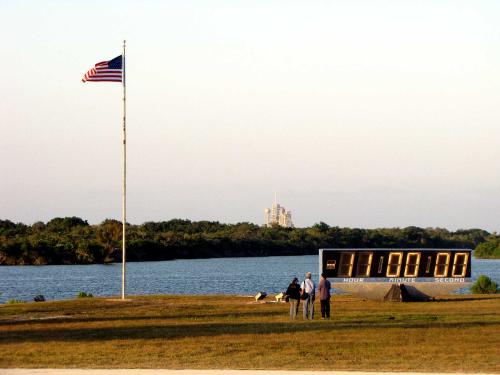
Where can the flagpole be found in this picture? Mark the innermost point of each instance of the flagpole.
(124, 176)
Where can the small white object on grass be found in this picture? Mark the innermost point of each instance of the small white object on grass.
(279, 297)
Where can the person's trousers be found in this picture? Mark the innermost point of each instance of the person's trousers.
(308, 308)
(294, 306)
(325, 308)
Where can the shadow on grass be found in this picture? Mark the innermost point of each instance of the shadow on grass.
(461, 299)
(182, 317)
(173, 331)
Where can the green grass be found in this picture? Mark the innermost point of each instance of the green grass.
(454, 334)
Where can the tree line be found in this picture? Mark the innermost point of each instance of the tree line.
(72, 240)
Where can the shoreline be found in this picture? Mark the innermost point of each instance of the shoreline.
(118, 262)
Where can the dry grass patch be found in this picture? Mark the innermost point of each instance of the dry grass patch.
(459, 334)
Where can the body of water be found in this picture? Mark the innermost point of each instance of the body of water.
(240, 276)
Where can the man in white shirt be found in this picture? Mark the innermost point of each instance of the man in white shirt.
(309, 288)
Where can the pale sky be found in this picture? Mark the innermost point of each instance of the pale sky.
(358, 113)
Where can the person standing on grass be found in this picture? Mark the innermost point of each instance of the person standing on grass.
(307, 294)
(324, 287)
(293, 294)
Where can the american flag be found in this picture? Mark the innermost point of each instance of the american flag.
(106, 71)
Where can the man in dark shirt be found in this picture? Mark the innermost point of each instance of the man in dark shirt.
(293, 293)
(324, 296)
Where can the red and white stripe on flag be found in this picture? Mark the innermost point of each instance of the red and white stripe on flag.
(105, 71)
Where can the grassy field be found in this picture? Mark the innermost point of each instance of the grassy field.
(460, 333)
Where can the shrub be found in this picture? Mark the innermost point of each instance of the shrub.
(84, 295)
(13, 301)
(484, 285)
(39, 298)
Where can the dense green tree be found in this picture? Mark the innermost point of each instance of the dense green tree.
(321, 227)
(61, 224)
(109, 235)
(489, 249)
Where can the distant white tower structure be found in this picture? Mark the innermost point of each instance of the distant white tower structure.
(267, 217)
(277, 215)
